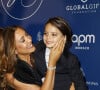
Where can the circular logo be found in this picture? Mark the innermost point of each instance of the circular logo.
(84, 1)
(21, 10)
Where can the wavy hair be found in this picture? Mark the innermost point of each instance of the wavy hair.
(3, 62)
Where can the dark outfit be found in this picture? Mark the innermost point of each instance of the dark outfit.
(26, 74)
(67, 69)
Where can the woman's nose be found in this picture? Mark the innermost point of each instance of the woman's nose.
(29, 38)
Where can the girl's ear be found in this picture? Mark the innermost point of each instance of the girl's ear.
(65, 39)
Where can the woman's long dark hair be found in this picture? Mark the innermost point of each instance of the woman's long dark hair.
(8, 58)
(3, 62)
(9, 40)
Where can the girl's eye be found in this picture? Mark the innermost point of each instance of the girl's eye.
(51, 34)
(54, 34)
(45, 33)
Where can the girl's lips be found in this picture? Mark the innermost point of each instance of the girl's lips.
(48, 42)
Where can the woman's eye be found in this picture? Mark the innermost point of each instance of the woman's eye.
(22, 40)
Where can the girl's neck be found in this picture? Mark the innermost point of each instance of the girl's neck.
(49, 48)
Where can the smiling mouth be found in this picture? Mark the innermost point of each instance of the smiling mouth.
(49, 42)
(30, 46)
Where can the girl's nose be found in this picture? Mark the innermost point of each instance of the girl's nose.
(48, 36)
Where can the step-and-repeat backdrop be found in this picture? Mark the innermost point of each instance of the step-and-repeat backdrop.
(82, 15)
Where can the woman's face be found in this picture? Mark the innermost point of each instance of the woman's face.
(51, 35)
(23, 42)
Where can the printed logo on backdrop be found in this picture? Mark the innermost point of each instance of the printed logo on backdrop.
(92, 83)
(21, 9)
(84, 1)
(39, 36)
(83, 41)
(84, 6)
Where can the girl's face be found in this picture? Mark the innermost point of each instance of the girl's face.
(51, 35)
(23, 42)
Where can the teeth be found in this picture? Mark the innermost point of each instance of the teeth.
(30, 46)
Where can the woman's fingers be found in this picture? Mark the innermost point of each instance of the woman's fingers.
(62, 44)
(57, 50)
(59, 46)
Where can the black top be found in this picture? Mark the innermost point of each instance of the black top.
(67, 69)
(26, 74)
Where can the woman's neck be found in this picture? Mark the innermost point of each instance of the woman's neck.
(25, 58)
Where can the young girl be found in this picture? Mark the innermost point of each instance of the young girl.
(67, 69)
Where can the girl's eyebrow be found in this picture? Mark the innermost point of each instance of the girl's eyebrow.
(50, 32)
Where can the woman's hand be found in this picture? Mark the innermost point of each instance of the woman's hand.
(10, 79)
(56, 51)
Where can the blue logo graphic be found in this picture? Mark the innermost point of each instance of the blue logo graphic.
(84, 1)
(11, 7)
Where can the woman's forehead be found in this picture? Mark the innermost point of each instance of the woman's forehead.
(19, 33)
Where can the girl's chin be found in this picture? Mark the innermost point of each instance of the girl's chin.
(49, 46)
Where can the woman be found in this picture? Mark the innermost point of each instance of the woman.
(2, 61)
(67, 69)
(21, 69)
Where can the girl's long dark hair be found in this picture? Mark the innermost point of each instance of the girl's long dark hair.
(64, 28)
